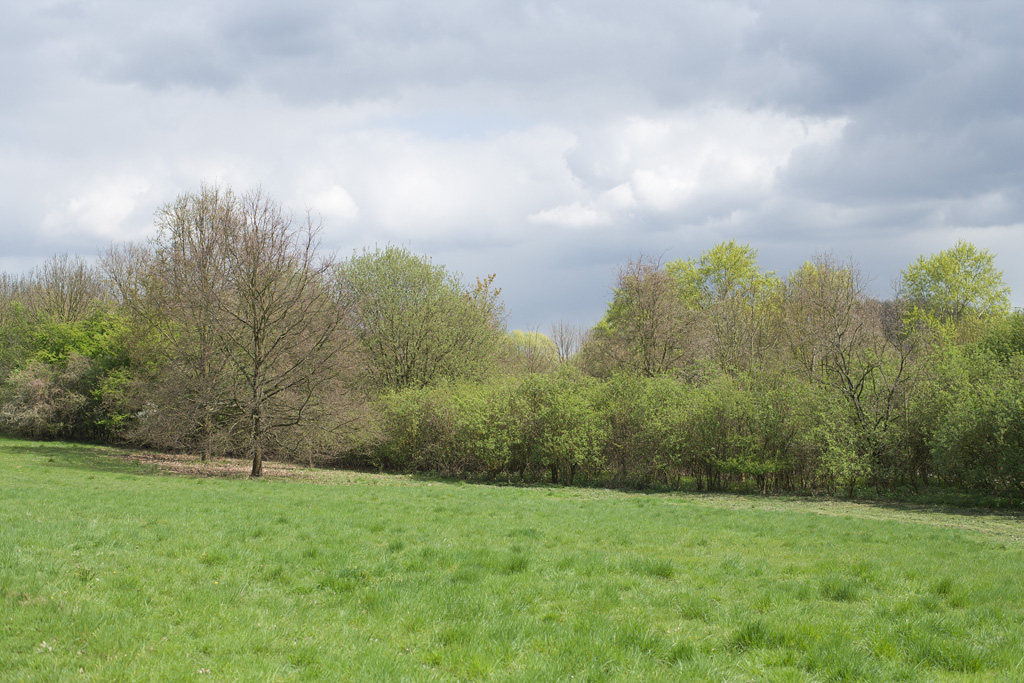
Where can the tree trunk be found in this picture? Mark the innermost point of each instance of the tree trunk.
(207, 437)
(257, 444)
(257, 460)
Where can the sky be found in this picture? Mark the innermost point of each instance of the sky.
(545, 142)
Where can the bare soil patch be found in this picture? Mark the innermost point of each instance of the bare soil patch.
(191, 466)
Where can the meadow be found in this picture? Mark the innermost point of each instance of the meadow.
(111, 570)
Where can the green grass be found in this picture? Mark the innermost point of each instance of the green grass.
(111, 571)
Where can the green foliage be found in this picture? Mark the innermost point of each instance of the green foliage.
(720, 432)
(645, 439)
(527, 425)
(532, 351)
(957, 283)
(736, 299)
(646, 328)
(845, 455)
(101, 336)
(70, 379)
(416, 322)
(975, 425)
(562, 430)
(629, 430)
(1004, 337)
(16, 328)
(726, 270)
(786, 412)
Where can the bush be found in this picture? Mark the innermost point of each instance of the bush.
(43, 401)
(976, 430)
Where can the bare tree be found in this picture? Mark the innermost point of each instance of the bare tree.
(280, 320)
(172, 289)
(850, 342)
(68, 288)
(648, 329)
(569, 339)
(234, 302)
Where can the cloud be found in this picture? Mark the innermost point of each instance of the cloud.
(546, 141)
(101, 208)
(694, 166)
(573, 215)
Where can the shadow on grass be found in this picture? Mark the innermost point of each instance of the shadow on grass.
(935, 501)
(968, 507)
(98, 458)
(135, 461)
(77, 456)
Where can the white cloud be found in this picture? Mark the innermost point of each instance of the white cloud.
(573, 215)
(336, 204)
(711, 159)
(101, 208)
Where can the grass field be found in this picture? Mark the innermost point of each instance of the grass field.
(111, 570)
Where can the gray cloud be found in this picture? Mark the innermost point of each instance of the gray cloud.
(544, 141)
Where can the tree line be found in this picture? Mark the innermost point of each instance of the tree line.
(232, 332)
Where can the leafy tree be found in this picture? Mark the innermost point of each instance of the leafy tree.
(15, 322)
(416, 322)
(957, 283)
(63, 291)
(844, 459)
(562, 430)
(533, 351)
(975, 420)
(69, 382)
(647, 436)
(736, 299)
(1005, 337)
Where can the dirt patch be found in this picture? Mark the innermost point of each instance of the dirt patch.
(236, 468)
(187, 465)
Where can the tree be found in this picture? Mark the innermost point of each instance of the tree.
(14, 326)
(64, 290)
(856, 347)
(416, 321)
(172, 289)
(957, 283)
(533, 351)
(824, 324)
(568, 339)
(647, 328)
(237, 297)
(736, 301)
(68, 287)
(280, 321)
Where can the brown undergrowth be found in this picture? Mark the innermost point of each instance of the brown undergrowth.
(188, 465)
